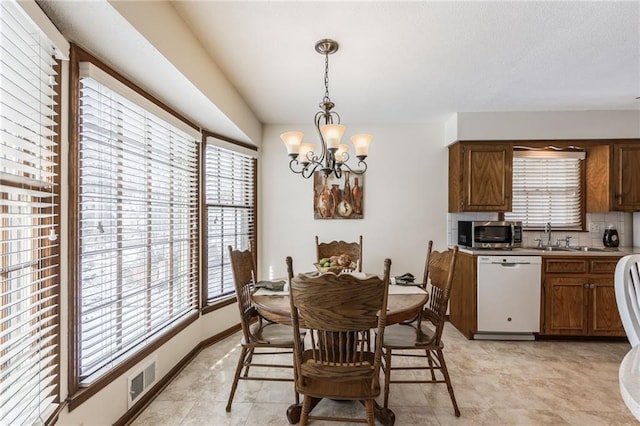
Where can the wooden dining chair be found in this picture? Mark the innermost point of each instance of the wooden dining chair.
(339, 362)
(627, 290)
(334, 248)
(259, 337)
(423, 338)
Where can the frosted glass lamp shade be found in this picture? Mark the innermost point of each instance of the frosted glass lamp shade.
(343, 148)
(361, 144)
(292, 141)
(305, 148)
(332, 134)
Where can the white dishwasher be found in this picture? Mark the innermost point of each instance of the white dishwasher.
(509, 290)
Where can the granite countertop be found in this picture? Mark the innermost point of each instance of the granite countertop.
(563, 252)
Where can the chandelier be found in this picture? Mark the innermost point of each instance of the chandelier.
(333, 155)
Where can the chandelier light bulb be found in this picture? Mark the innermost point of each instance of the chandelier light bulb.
(332, 134)
(361, 144)
(292, 141)
(305, 149)
(342, 153)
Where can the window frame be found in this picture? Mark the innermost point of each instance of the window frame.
(234, 145)
(79, 393)
(565, 146)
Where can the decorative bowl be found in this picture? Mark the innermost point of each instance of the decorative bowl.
(335, 269)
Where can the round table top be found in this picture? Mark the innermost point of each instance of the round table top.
(402, 305)
(629, 375)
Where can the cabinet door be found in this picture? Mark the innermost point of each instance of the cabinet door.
(626, 172)
(604, 319)
(565, 306)
(487, 176)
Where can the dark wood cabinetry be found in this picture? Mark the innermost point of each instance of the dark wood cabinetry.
(626, 176)
(463, 303)
(579, 297)
(480, 177)
(613, 176)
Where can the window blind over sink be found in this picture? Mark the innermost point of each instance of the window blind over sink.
(547, 187)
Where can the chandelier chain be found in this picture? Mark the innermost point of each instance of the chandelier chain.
(326, 78)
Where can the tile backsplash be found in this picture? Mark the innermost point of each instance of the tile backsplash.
(622, 221)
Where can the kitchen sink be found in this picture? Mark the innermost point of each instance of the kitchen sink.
(596, 249)
(554, 248)
(574, 249)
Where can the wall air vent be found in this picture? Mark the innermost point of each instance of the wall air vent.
(140, 381)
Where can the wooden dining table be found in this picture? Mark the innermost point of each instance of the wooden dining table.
(404, 303)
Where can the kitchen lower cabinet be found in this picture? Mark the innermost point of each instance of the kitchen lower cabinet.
(565, 301)
(463, 301)
(579, 297)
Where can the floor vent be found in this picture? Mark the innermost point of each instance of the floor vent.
(140, 382)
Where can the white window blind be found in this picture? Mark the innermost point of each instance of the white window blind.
(138, 236)
(230, 203)
(29, 255)
(547, 187)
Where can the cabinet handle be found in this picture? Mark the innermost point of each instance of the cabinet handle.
(586, 285)
(592, 285)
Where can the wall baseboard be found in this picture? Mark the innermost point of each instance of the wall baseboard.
(144, 402)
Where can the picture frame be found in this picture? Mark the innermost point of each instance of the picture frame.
(338, 198)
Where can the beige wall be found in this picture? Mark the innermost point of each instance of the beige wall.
(405, 201)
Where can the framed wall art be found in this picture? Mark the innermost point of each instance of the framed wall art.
(335, 198)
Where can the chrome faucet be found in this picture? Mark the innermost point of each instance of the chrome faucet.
(547, 230)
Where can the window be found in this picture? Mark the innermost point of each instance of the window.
(230, 204)
(29, 254)
(547, 187)
(137, 226)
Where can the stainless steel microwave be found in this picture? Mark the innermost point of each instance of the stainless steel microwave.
(490, 234)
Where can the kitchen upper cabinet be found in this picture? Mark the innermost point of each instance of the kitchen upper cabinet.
(626, 176)
(613, 177)
(480, 176)
(579, 297)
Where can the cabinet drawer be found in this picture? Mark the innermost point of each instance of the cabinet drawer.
(566, 266)
(602, 266)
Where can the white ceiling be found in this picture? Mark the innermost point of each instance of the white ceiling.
(406, 62)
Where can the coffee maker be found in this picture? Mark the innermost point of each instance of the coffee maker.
(610, 237)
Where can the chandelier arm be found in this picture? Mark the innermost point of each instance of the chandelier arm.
(356, 171)
(323, 144)
(306, 171)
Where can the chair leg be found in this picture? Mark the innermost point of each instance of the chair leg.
(430, 360)
(387, 375)
(306, 407)
(445, 373)
(243, 354)
(371, 415)
(248, 363)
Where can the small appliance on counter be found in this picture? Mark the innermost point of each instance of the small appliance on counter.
(489, 234)
(610, 238)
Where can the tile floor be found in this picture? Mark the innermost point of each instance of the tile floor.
(496, 383)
